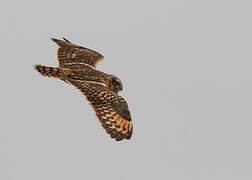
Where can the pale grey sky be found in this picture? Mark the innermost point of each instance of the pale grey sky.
(186, 70)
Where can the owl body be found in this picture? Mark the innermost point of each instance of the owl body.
(77, 66)
(89, 74)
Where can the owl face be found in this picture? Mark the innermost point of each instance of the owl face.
(116, 84)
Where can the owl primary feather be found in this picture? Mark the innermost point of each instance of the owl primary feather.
(77, 66)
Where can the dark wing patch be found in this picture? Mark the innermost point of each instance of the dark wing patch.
(111, 109)
(74, 56)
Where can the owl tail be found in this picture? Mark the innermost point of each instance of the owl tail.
(49, 71)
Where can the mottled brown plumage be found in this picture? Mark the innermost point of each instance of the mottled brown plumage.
(77, 66)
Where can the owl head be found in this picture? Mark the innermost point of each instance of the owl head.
(116, 84)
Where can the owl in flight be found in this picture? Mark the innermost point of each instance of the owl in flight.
(77, 66)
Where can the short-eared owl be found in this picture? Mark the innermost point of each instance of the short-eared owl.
(77, 66)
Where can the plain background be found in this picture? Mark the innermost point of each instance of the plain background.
(186, 70)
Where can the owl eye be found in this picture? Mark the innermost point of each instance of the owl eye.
(117, 84)
(115, 81)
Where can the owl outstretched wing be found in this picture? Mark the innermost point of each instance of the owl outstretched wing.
(74, 56)
(111, 109)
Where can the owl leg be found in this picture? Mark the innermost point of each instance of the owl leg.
(49, 71)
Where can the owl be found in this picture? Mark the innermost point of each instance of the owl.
(77, 66)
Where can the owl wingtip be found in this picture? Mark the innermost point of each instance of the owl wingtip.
(35, 66)
(66, 40)
(60, 42)
(53, 39)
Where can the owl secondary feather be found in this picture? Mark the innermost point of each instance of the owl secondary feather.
(77, 66)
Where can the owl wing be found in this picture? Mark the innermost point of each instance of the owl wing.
(74, 56)
(111, 109)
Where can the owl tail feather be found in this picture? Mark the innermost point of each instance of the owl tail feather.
(49, 71)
